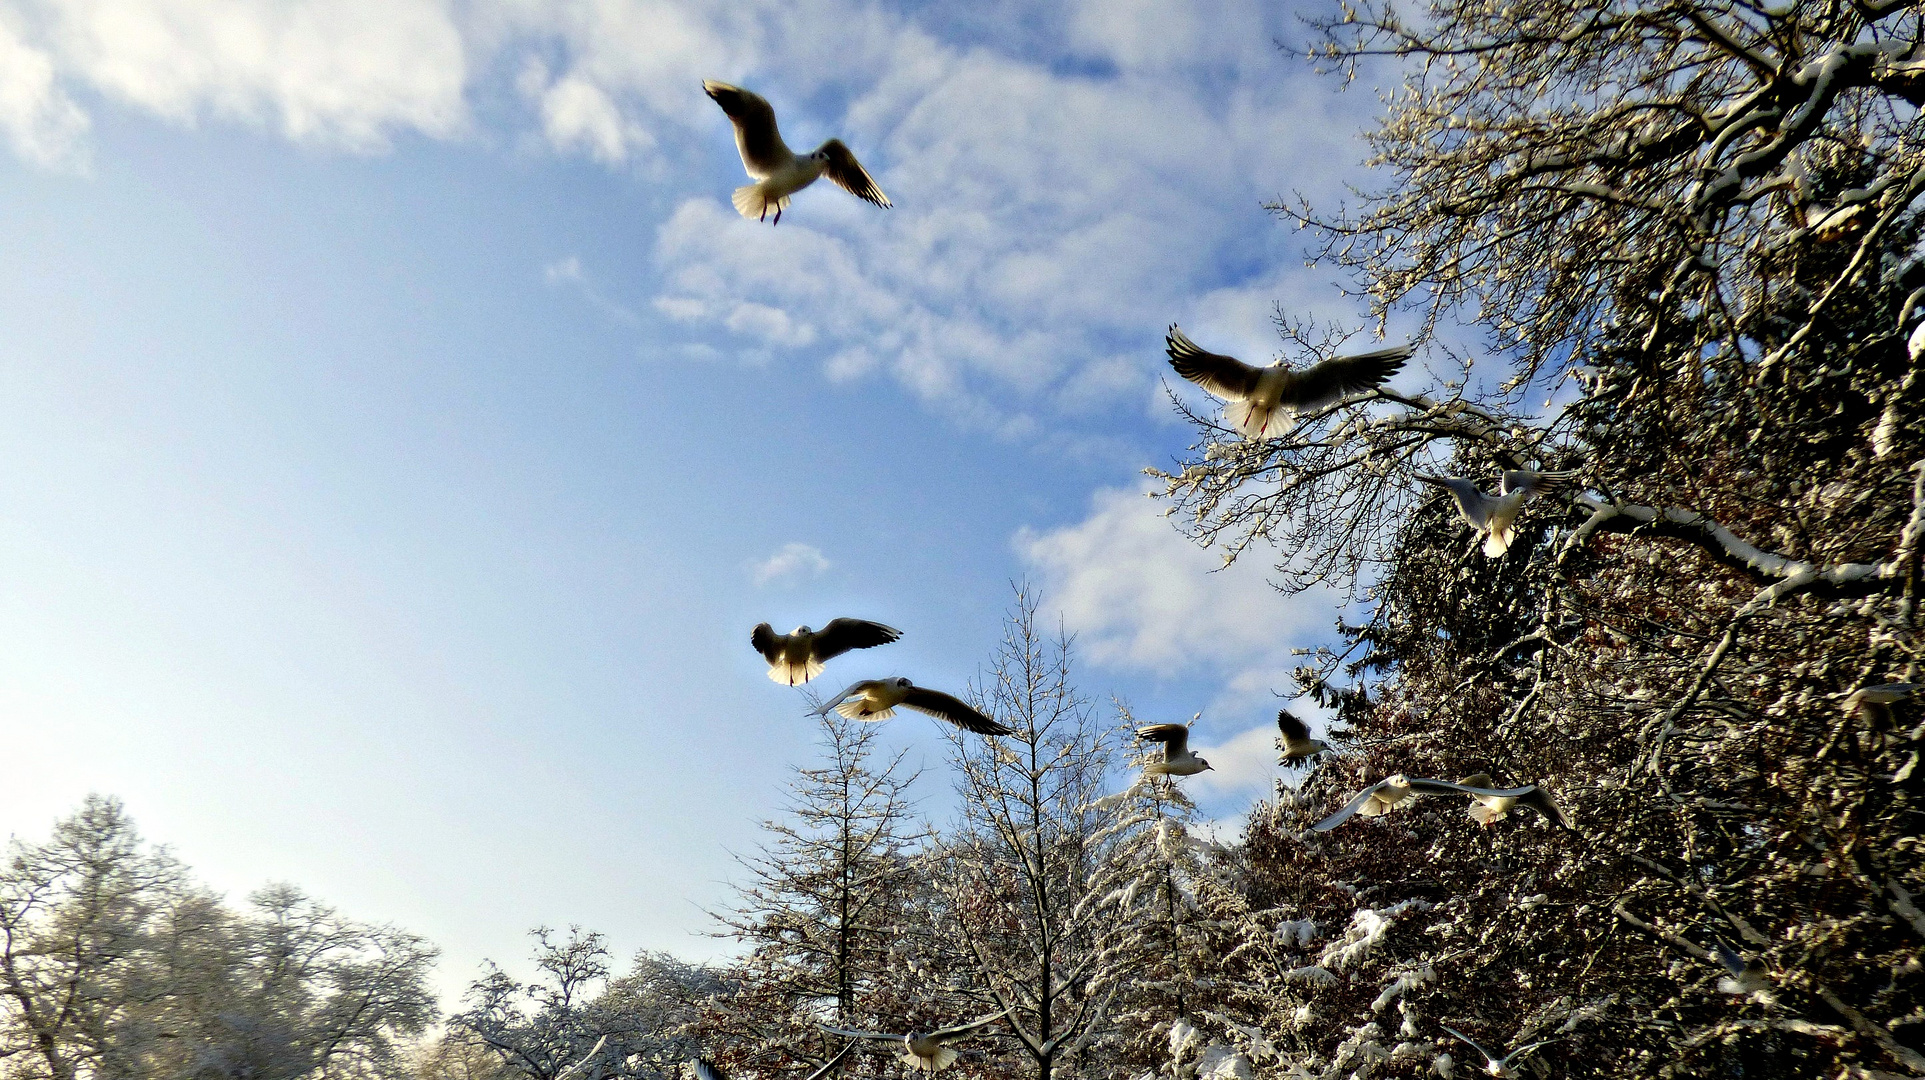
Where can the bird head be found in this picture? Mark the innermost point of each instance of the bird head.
(1206, 765)
(801, 630)
(902, 683)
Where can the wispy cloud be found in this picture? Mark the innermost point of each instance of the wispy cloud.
(568, 272)
(794, 562)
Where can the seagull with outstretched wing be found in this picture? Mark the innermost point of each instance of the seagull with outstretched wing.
(1393, 791)
(796, 657)
(927, 1051)
(1747, 976)
(1495, 1066)
(1260, 401)
(708, 1070)
(1178, 758)
(777, 171)
(1485, 809)
(1294, 739)
(876, 699)
(1494, 515)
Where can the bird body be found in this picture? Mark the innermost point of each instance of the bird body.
(1393, 791)
(876, 699)
(1493, 516)
(1178, 758)
(779, 172)
(1261, 401)
(927, 1051)
(1495, 1066)
(1294, 739)
(796, 657)
(1747, 976)
(1877, 701)
(1485, 809)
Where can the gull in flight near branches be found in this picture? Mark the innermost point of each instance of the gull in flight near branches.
(1485, 809)
(796, 657)
(1256, 397)
(876, 699)
(777, 171)
(1493, 515)
(1393, 791)
(1494, 1066)
(708, 1070)
(1747, 976)
(1296, 743)
(926, 1051)
(1178, 758)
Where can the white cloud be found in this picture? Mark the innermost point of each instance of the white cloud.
(42, 125)
(794, 562)
(1138, 594)
(343, 73)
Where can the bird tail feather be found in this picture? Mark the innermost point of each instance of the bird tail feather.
(1250, 419)
(795, 674)
(940, 1060)
(854, 710)
(1483, 814)
(753, 202)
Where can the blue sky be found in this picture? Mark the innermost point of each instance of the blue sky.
(399, 433)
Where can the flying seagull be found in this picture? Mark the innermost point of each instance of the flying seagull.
(708, 1070)
(1485, 809)
(1877, 701)
(796, 657)
(1178, 759)
(925, 1051)
(876, 699)
(1493, 515)
(778, 172)
(1493, 1066)
(1254, 396)
(1747, 977)
(1393, 791)
(1296, 744)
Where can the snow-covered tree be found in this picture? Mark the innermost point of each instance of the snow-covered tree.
(1693, 228)
(113, 964)
(823, 907)
(1041, 886)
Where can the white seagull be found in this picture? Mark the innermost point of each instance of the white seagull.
(1393, 791)
(1254, 396)
(778, 172)
(1493, 515)
(1493, 1066)
(1485, 809)
(925, 1050)
(1178, 758)
(876, 699)
(708, 1070)
(1877, 701)
(1747, 976)
(796, 657)
(1296, 743)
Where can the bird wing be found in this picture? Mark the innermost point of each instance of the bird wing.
(1293, 729)
(964, 1029)
(1541, 801)
(1421, 786)
(842, 697)
(841, 635)
(955, 710)
(1521, 1051)
(1350, 808)
(828, 1065)
(1535, 483)
(876, 1035)
(767, 642)
(1472, 503)
(1731, 960)
(756, 136)
(849, 175)
(1333, 380)
(708, 1070)
(1474, 1045)
(1174, 737)
(1225, 376)
(580, 1067)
